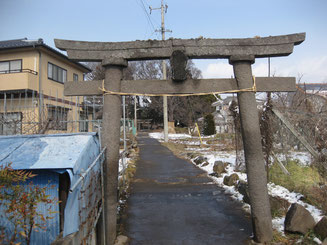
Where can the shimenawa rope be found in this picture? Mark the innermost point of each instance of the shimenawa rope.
(253, 89)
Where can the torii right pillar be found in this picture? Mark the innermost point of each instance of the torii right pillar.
(255, 163)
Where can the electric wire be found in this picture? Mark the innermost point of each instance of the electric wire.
(148, 17)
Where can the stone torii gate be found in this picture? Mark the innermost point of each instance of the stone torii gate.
(241, 54)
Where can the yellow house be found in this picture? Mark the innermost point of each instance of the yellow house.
(32, 77)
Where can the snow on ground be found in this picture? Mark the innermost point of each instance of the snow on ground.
(304, 158)
(160, 135)
(274, 190)
(123, 162)
(293, 197)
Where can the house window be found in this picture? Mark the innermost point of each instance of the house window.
(10, 123)
(10, 66)
(57, 73)
(83, 123)
(75, 77)
(57, 117)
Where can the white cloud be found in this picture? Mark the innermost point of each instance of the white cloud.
(312, 69)
(223, 69)
(219, 69)
(260, 69)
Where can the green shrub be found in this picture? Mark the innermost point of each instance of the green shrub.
(209, 125)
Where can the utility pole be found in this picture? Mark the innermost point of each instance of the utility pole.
(163, 9)
(135, 115)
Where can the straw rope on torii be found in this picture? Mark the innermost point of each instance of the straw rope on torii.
(106, 92)
(241, 54)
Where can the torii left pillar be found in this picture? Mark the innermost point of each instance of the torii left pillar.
(110, 138)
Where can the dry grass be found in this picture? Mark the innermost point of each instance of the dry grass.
(177, 149)
(290, 239)
(302, 179)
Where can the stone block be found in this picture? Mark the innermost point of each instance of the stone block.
(199, 160)
(321, 228)
(298, 220)
(206, 163)
(219, 167)
(278, 206)
(242, 188)
(231, 180)
(122, 240)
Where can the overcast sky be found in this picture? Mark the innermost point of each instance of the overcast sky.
(125, 20)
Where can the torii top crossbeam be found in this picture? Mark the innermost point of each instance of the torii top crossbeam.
(201, 48)
(192, 48)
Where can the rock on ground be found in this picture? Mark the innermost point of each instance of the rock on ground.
(219, 167)
(122, 240)
(199, 160)
(206, 163)
(242, 188)
(298, 219)
(321, 228)
(231, 180)
(278, 205)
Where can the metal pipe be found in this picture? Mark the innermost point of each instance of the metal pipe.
(135, 115)
(87, 170)
(40, 85)
(124, 122)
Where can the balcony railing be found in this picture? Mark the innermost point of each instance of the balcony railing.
(18, 71)
(18, 80)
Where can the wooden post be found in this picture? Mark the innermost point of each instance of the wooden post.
(255, 166)
(110, 139)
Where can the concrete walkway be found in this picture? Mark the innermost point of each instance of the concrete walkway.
(174, 202)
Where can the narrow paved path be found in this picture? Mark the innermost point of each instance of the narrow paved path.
(174, 202)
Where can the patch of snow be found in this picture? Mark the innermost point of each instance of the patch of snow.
(278, 224)
(197, 149)
(304, 158)
(317, 240)
(156, 135)
(293, 197)
(123, 163)
(160, 135)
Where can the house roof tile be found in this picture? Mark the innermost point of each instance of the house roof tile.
(25, 43)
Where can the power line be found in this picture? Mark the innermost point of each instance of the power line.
(147, 14)
(150, 22)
